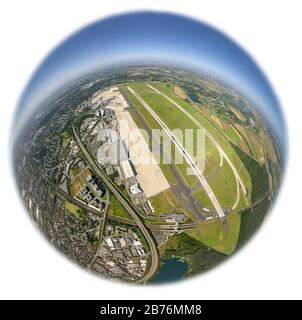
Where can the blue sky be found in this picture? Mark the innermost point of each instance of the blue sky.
(154, 36)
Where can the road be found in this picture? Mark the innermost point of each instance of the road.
(110, 217)
(172, 227)
(219, 148)
(186, 155)
(100, 239)
(70, 198)
(128, 206)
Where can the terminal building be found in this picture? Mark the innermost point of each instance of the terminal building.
(107, 135)
(112, 153)
(127, 169)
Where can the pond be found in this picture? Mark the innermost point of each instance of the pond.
(173, 269)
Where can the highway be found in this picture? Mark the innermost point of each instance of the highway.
(186, 155)
(128, 206)
(172, 227)
(61, 193)
(219, 148)
(101, 234)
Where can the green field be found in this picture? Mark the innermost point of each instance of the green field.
(203, 198)
(116, 209)
(242, 203)
(225, 182)
(165, 202)
(172, 243)
(163, 107)
(233, 135)
(66, 139)
(64, 135)
(214, 235)
(74, 210)
(212, 157)
(79, 180)
(209, 126)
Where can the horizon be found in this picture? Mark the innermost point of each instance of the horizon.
(109, 42)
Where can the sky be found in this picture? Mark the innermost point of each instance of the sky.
(153, 36)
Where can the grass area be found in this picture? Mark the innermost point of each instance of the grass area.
(137, 121)
(210, 127)
(80, 180)
(116, 209)
(201, 196)
(233, 135)
(65, 143)
(224, 186)
(199, 257)
(66, 139)
(172, 243)
(212, 157)
(241, 203)
(223, 183)
(251, 221)
(75, 170)
(168, 174)
(183, 167)
(161, 250)
(172, 116)
(165, 202)
(73, 209)
(214, 235)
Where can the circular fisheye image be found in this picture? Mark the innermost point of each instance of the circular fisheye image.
(148, 148)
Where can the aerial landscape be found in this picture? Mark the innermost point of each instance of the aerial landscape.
(147, 173)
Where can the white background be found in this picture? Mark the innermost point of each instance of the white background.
(270, 266)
